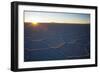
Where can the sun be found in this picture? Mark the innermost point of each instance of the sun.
(34, 23)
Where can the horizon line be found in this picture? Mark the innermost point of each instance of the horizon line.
(57, 23)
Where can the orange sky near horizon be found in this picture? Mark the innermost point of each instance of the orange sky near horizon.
(56, 17)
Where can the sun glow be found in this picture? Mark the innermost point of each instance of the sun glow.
(34, 23)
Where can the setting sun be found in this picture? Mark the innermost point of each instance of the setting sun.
(34, 23)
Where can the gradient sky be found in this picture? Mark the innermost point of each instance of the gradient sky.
(56, 17)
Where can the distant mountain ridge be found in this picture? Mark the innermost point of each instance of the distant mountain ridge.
(56, 23)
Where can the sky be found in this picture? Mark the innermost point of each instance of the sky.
(56, 17)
